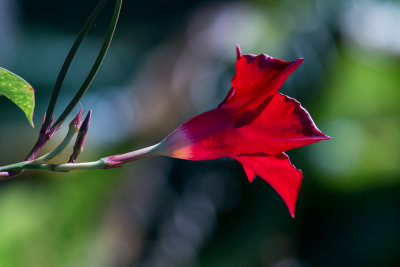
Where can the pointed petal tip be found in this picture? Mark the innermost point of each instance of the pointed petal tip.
(238, 52)
(279, 172)
(327, 137)
(251, 175)
(321, 137)
(292, 207)
(297, 62)
(251, 178)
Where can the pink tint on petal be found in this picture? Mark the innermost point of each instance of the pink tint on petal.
(202, 137)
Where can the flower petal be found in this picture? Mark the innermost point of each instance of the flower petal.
(251, 175)
(279, 173)
(281, 125)
(206, 136)
(257, 78)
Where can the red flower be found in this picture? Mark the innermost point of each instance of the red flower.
(254, 125)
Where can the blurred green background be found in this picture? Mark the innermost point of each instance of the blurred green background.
(169, 61)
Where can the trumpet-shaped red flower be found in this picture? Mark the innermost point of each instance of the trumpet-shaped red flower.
(254, 125)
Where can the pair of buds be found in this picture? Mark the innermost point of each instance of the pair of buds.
(76, 126)
(82, 128)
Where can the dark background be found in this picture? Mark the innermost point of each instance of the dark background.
(169, 61)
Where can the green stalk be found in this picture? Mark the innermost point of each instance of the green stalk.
(64, 69)
(49, 129)
(66, 167)
(70, 134)
(96, 65)
(103, 163)
(31, 165)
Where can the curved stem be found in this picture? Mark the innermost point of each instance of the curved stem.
(42, 139)
(96, 65)
(64, 69)
(70, 134)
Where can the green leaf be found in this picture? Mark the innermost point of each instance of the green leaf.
(18, 91)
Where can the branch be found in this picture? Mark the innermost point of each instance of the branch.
(103, 163)
(71, 54)
(96, 66)
(48, 129)
(74, 126)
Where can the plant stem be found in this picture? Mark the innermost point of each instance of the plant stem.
(64, 69)
(96, 65)
(29, 165)
(103, 163)
(98, 164)
(43, 138)
(139, 154)
(67, 139)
